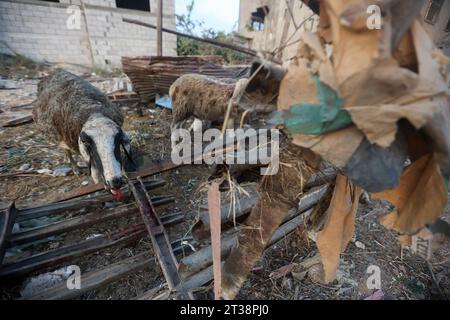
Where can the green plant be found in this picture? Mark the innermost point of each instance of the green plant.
(191, 47)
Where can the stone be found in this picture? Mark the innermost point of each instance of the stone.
(25, 167)
(45, 171)
(360, 245)
(62, 171)
(8, 84)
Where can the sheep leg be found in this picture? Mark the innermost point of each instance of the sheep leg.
(230, 124)
(175, 126)
(196, 126)
(69, 158)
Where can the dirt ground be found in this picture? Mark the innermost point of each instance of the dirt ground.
(404, 276)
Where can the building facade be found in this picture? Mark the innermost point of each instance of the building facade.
(436, 14)
(268, 24)
(83, 32)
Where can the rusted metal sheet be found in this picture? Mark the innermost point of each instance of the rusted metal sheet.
(154, 75)
(158, 236)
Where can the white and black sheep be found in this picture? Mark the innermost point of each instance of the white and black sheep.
(80, 118)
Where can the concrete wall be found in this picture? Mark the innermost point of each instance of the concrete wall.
(38, 30)
(437, 30)
(279, 28)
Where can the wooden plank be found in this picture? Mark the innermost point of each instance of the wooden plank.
(80, 222)
(99, 278)
(215, 224)
(19, 121)
(155, 168)
(95, 201)
(68, 253)
(245, 204)
(158, 236)
(96, 279)
(7, 219)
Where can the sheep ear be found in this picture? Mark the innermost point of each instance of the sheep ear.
(89, 165)
(130, 165)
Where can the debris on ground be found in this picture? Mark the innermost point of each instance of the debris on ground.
(357, 210)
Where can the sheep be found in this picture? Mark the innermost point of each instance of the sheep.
(79, 117)
(207, 98)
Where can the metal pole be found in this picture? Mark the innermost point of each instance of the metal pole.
(210, 41)
(159, 26)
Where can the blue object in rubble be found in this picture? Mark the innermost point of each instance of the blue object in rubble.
(327, 116)
(164, 102)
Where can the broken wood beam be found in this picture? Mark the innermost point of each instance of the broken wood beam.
(7, 219)
(203, 257)
(209, 41)
(99, 278)
(149, 294)
(68, 204)
(80, 222)
(196, 275)
(68, 253)
(321, 177)
(18, 122)
(245, 205)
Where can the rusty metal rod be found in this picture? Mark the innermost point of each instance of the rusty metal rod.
(209, 41)
(95, 201)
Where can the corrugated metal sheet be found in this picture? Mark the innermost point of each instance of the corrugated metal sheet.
(153, 76)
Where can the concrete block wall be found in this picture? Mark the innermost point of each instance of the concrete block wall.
(40, 33)
(111, 38)
(37, 29)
